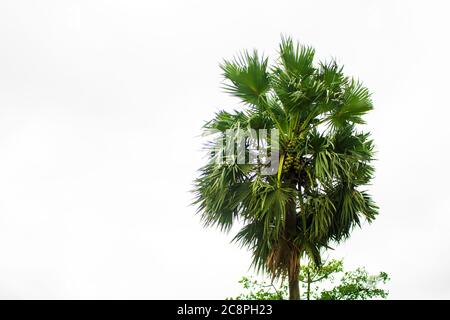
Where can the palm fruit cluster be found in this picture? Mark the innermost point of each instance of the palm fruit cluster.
(292, 160)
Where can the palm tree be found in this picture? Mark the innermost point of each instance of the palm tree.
(314, 199)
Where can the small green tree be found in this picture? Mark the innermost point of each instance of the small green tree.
(330, 282)
(357, 285)
(310, 275)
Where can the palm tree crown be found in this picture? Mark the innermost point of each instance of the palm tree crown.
(315, 197)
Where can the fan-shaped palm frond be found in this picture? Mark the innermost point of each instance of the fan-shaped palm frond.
(248, 77)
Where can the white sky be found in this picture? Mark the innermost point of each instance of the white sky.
(101, 104)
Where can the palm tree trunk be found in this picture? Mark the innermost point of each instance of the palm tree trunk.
(294, 268)
(308, 292)
(294, 287)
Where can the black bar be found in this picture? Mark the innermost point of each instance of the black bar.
(216, 309)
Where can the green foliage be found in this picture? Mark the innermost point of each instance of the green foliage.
(318, 194)
(248, 77)
(357, 285)
(329, 282)
(260, 290)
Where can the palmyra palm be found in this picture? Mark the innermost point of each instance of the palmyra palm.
(315, 196)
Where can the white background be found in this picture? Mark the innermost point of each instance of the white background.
(101, 104)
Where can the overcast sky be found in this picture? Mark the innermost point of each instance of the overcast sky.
(101, 105)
